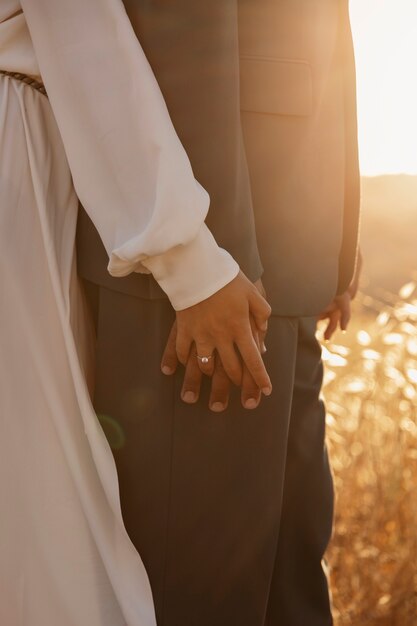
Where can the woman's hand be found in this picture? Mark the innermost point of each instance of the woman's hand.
(221, 381)
(222, 324)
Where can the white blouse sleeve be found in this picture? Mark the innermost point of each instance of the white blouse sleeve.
(129, 168)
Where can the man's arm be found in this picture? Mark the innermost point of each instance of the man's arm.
(193, 50)
(348, 253)
(129, 168)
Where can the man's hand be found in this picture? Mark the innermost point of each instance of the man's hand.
(338, 313)
(220, 384)
(222, 324)
(339, 310)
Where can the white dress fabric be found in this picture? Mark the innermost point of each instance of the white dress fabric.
(129, 168)
(65, 556)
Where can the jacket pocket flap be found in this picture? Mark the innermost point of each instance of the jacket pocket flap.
(276, 86)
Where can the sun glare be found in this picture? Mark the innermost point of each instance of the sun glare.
(385, 35)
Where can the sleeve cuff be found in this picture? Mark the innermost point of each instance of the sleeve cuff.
(193, 272)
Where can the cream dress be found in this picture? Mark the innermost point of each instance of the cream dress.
(104, 134)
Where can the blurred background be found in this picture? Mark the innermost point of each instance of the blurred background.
(385, 36)
(371, 372)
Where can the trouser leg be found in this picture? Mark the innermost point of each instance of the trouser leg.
(299, 594)
(201, 492)
(134, 401)
(227, 482)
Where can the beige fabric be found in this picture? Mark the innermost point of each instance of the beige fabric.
(298, 102)
(16, 50)
(65, 557)
(129, 168)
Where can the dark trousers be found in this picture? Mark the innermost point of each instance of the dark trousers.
(231, 513)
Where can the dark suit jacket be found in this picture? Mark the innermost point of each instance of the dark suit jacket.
(283, 71)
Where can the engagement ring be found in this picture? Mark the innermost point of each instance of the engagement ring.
(204, 359)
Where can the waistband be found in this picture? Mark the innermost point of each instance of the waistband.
(28, 80)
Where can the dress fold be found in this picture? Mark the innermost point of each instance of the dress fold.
(65, 556)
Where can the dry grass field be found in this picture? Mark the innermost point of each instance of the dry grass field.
(371, 395)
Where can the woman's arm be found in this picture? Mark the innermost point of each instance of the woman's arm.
(135, 180)
(130, 170)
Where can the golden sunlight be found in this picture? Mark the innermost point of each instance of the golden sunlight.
(385, 35)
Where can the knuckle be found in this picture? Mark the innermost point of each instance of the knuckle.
(204, 346)
(267, 309)
(182, 330)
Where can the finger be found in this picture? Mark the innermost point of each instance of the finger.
(220, 388)
(328, 310)
(258, 335)
(345, 315)
(192, 380)
(251, 394)
(259, 286)
(231, 362)
(326, 313)
(260, 310)
(169, 361)
(253, 361)
(255, 332)
(261, 342)
(332, 325)
(205, 357)
(183, 345)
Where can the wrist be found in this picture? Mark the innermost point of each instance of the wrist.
(193, 272)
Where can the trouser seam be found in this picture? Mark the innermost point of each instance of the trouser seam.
(266, 620)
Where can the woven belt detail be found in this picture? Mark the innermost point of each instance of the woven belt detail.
(35, 84)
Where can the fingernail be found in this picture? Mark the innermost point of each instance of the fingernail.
(167, 370)
(251, 403)
(217, 407)
(189, 397)
(267, 391)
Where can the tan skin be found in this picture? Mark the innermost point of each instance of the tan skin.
(242, 365)
(338, 313)
(223, 324)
